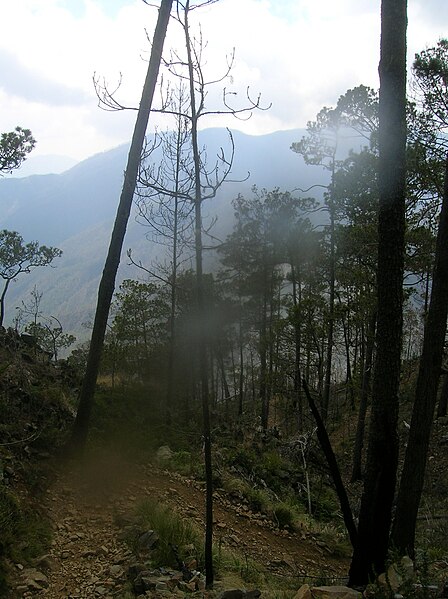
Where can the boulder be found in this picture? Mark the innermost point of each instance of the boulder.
(148, 540)
(304, 592)
(334, 592)
(239, 594)
(398, 575)
(34, 577)
(232, 594)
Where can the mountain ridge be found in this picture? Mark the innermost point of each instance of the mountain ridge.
(75, 210)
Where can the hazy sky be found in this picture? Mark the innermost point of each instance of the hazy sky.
(299, 54)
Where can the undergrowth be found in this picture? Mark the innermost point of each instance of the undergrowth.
(181, 539)
(177, 535)
(24, 534)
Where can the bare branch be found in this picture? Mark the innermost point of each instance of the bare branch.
(106, 98)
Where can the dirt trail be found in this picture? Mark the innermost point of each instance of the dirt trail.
(88, 559)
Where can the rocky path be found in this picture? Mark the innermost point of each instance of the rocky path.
(88, 559)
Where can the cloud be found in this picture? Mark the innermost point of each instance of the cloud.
(431, 12)
(19, 80)
(300, 55)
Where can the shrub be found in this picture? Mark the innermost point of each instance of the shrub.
(173, 531)
(258, 500)
(23, 533)
(283, 515)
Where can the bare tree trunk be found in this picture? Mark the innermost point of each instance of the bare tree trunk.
(201, 310)
(325, 444)
(298, 408)
(107, 284)
(365, 392)
(222, 368)
(412, 478)
(241, 373)
(331, 301)
(173, 298)
(369, 557)
(264, 395)
(349, 392)
(2, 301)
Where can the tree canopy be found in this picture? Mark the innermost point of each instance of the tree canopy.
(14, 148)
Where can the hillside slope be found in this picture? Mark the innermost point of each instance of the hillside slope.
(75, 210)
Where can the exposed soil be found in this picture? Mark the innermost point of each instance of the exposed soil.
(88, 557)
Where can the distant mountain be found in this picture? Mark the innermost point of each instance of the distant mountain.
(75, 210)
(47, 164)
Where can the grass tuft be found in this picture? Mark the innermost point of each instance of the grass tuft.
(172, 530)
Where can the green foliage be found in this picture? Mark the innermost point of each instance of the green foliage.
(24, 534)
(172, 530)
(14, 147)
(246, 568)
(325, 504)
(283, 515)
(78, 358)
(9, 518)
(244, 458)
(431, 72)
(140, 314)
(182, 462)
(357, 109)
(46, 330)
(18, 257)
(258, 500)
(50, 338)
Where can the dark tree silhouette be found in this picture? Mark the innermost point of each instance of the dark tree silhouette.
(412, 478)
(382, 457)
(107, 284)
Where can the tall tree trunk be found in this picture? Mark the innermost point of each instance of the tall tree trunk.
(173, 290)
(2, 301)
(331, 300)
(222, 368)
(364, 401)
(298, 409)
(201, 311)
(264, 396)
(107, 283)
(349, 392)
(241, 372)
(325, 444)
(370, 552)
(412, 478)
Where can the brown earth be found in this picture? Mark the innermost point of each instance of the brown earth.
(88, 557)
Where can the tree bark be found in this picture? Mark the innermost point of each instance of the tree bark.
(201, 311)
(241, 373)
(296, 297)
(365, 392)
(413, 475)
(107, 283)
(334, 468)
(370, 553)
(2, 301)
(173, 290)
(263, 390)
(331, 300)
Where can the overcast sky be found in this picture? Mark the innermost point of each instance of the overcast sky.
(299, 54)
